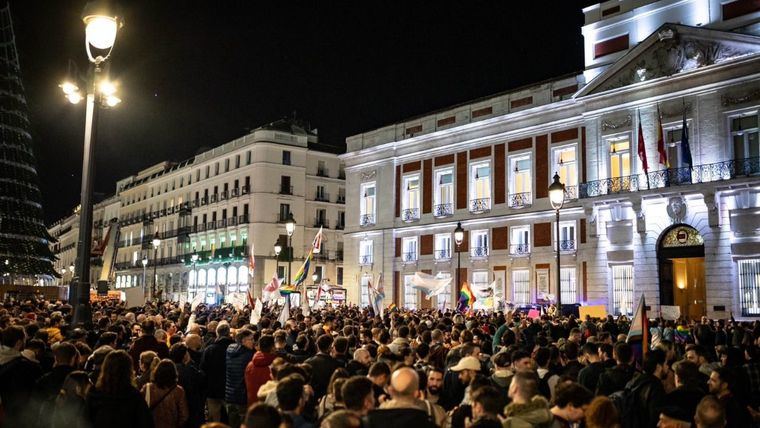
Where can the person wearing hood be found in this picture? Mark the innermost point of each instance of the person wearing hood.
(114, 402)
(257, 371)
(528, 409)
(17, 376)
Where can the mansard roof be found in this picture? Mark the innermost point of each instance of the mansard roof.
(673, 49)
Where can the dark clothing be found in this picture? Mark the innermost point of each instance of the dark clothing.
(486, 422)
(572, 368)
(322, 368)
(17, 380)
(356, 368)
(213, 364)
(453, 391)
(125, 409)
(399, 417)
(649, 399)
(196, 357)
(589, 375)
(299, 421)
(193, 381)
(437, 356)
(737, 415)
(685, 398)
(560, 423)
(146, 343)
(50, 384)
(238, 357)
(615, 379)
(70, 412)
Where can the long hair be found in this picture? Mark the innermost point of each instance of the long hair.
(116, 375)
(165, 374)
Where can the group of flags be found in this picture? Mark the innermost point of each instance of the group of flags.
(661, 150)
(376, 296)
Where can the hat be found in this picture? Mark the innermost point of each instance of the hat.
(467, 363)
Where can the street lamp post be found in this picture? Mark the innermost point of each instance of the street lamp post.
(557, 199)
(458, 238)
(156, 242)
(194, 259)
(290, 227)
(101, 26)
(277, 251)
(145, 267)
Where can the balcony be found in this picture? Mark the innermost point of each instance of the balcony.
(322, 197)
(442, 255)
(480, 206)
(443, 210)
(479, 252)
(571, 193)
(339, 255)
(520, 200)
(519, 249)
(365, 260)
(366, 220)
(286, 190)
(339, 225)
(283, 217)
(320, 222)
(567, 245)
(409, 215)
(322, 172)
(707, 173)
(409, 257)
(341, 199)
(244, 190)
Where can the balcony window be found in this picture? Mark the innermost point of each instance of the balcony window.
(443, 246)
(444, 193)
(409, 250)
(321, 194)
(673, 137)
(745, 136)
(620, 163)
(519, 238)
(286, 157)
(520, 181)
(480, 187)
(365, 252)
(521, 286)
(365, 280)
(749, 287)
(411, 294)
(568, 285)
(480, 283)
(411, 198)
(321, 169)
(565, 164)
(622, 289)
(367, 206)
(479, 244)
(321, 219)
(567, 240)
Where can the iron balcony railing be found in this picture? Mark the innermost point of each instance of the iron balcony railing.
(409, 215)
(706, 173)
(366, 220)
(339, 225)
(320, 222)
(322, 197)
(520, 200)
(519, 249)
(286, 190)
(339, 255)
(567, 245)
(341, 199)
(571, 193)
(365, 260)
(322, 172)
(479, 252)
(443, 210)
(442, 254)
(410, 257)
(480, 205)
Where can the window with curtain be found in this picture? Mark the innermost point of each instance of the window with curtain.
(410, 293)
(243, 279)
(749, 287)
(521, 286)
(622, 289)
(365, 279)
(568, 285)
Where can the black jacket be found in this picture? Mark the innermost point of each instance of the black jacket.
(685, 398)
(238, 356)
(615, 379)
(193, 381)
(322, 368)
(17, 381)
(125, 409)
(589, 375)
(356, 368)
(213, 364)
(398, 417)
(650, 397)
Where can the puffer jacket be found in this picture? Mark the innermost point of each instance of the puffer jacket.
(257, 373)
(238, 357)
(535, 414)
(213, 364)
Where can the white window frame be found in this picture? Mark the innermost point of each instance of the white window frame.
(526, 190)
(674, 146)
(519, 240)
(479, 280)
(568, 170)
(442, 246)
(573, 236)
(612, 140)
(438, 194)
(568, 278)
(748, 271)
(409, 249)
(368, 204)
(743, 133)
(521, 293)
(365, 252)
(477, 188)
(479, 240)
(364, 292)
(411, 295)
(410, 199)
(622, 279)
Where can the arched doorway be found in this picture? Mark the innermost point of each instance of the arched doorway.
(680, 257)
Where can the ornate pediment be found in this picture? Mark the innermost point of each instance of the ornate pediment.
(671, 50)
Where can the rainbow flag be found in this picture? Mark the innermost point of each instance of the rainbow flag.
(638, 335)
(466, 298)
(303, 272)
(392, 307)
(287, 289)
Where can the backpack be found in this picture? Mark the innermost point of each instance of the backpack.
(625, 403)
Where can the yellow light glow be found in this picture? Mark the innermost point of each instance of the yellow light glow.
(74, 97)
(101, 31)
(112, 101)
(107, 88)
(68, 87)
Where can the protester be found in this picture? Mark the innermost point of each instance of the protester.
(570, 405)
(235, 394)
(602, 413)
(527, 407)
(166, 400)
(114, 402)
(214, 365)
(358, 396)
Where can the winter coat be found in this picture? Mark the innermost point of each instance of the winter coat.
(615, 379)
(17, 380)
(650, 397)
(257, 373)
(213, 364)
(193, 381)
(168, 406)
(535, 414)
(146, 343)
(322, 368)
(238, 357)
(124, 409)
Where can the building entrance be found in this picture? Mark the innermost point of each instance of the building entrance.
(680, 256)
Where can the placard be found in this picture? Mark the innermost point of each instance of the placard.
(594, 311)
(670, 312)
(534, 313)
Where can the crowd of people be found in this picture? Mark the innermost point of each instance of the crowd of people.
(168, 366)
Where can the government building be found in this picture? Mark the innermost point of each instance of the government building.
(196, 222)
(682, 229)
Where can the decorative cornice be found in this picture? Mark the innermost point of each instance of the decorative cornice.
(367, 175)
(726, 100)
(608, 124)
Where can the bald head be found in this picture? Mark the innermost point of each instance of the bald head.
(404, 383)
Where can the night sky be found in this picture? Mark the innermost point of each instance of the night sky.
(197, 74)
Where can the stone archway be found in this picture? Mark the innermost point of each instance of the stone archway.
(680, 257)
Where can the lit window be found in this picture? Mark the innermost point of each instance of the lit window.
(367, 206)
(568, 285)
(409, 248)
(519, 238)
(622, 289)
(365, 252)
(749, 286)
(444, 193)
(366, 278)
(410, 293)
(520, 181)
(521, 286)
(566, 236)
(479, 243)
(565, 164)
(620, 163)
(480, 187)
(478, 287)
(744, 133)
(411, 198)
(442, 246)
